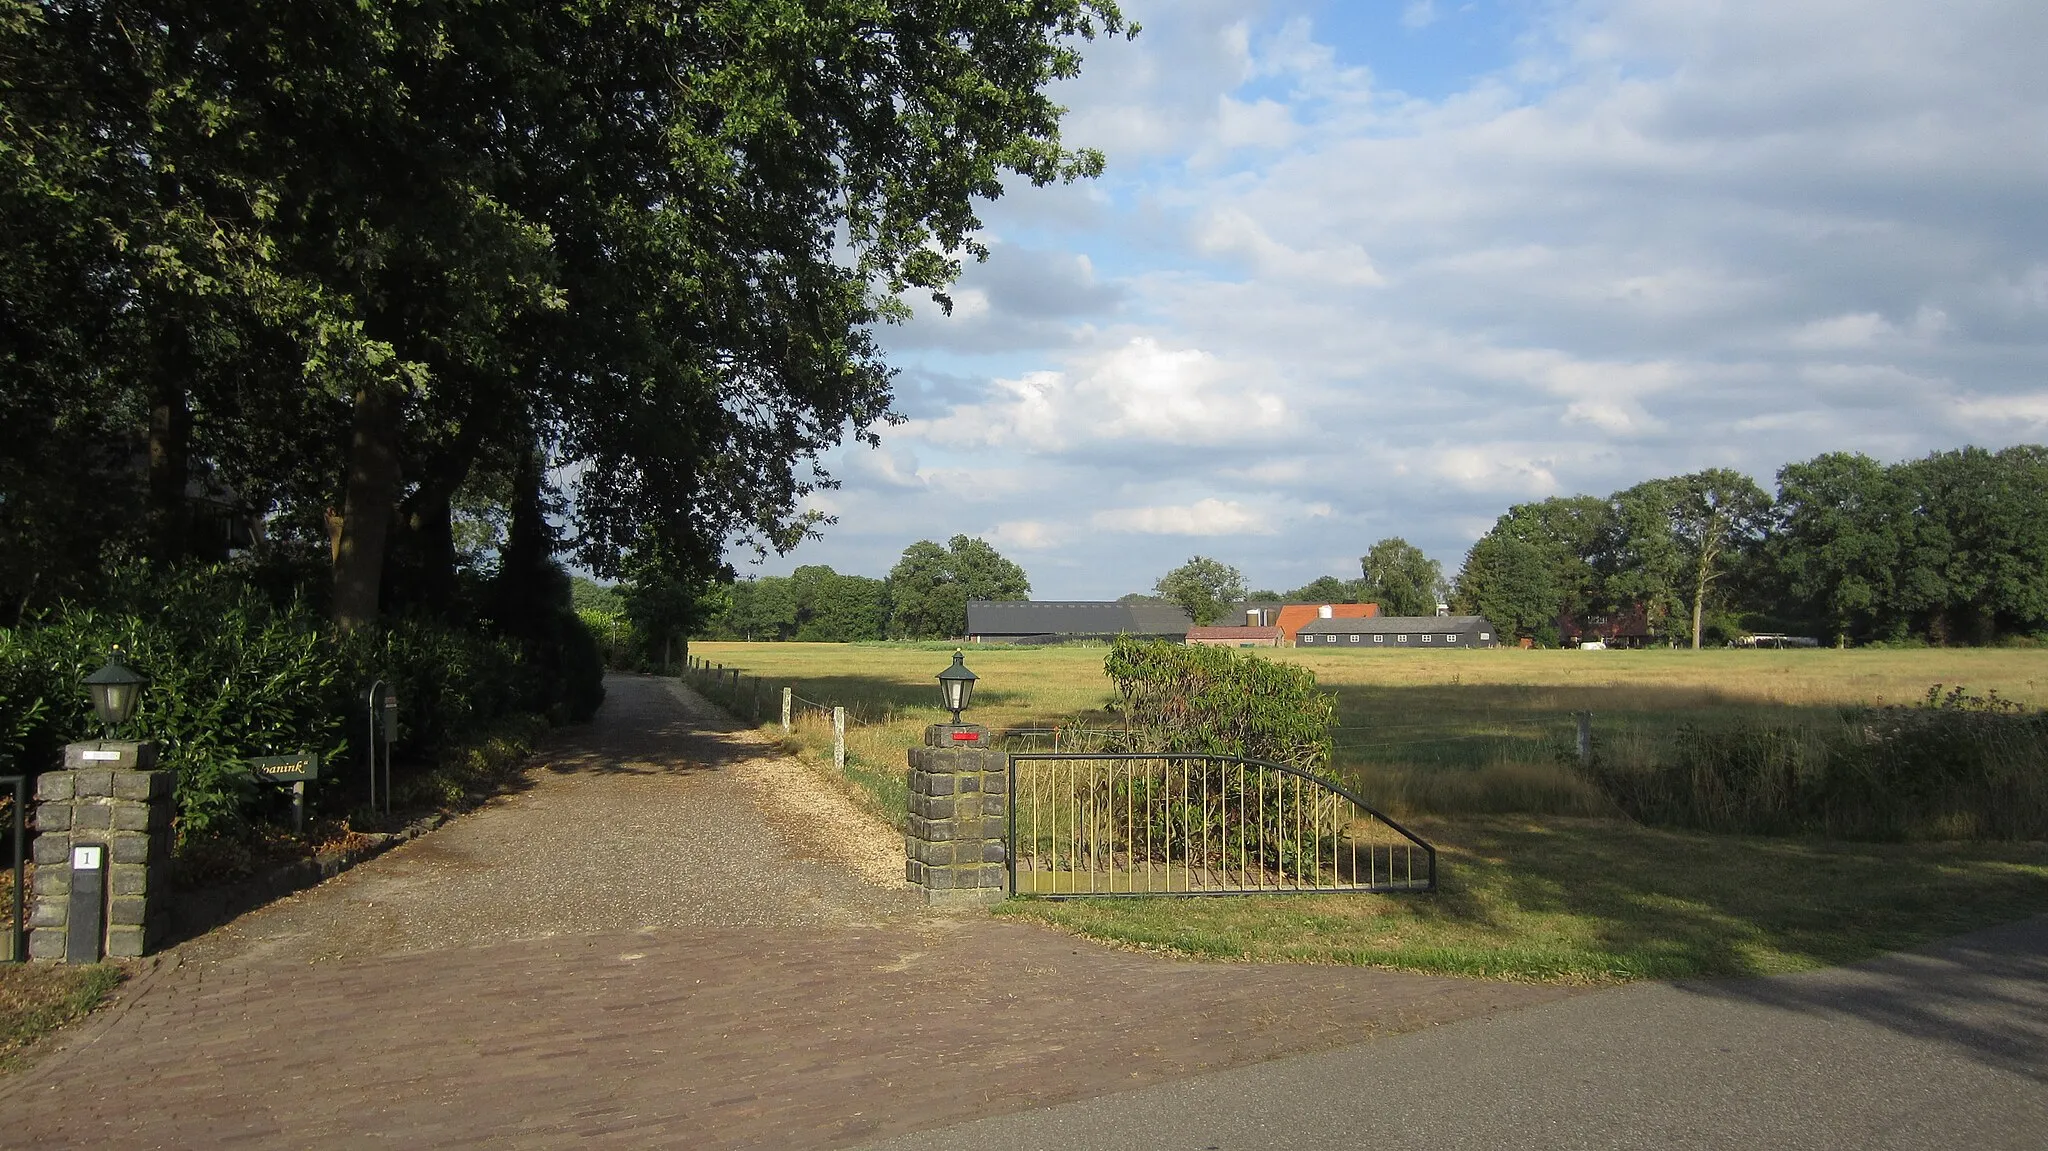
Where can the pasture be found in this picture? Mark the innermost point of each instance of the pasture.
(1543, 878)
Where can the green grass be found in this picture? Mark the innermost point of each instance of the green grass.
(1595, 901)
(38, 998)
(1464, 732)
(1539, 883)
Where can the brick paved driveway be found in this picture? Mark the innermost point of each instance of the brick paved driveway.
(644, 949)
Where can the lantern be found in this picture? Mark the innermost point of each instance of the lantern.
(115, 689)
(956, 686)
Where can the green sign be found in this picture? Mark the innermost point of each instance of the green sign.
(288, 768)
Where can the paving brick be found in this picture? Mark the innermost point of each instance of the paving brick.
(751, 1032)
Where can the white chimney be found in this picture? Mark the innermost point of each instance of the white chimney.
(1443, 609)
(1327, 612)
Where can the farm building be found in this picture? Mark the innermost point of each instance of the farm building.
(1289, 617)
(1399, 633)
(1046, 621)
(1234, 636)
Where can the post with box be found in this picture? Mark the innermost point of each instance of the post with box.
(959, 806)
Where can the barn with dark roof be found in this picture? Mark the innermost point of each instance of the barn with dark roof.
(1053, 621)
(1398, 633)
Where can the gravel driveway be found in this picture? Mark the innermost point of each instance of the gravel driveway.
(673, 936)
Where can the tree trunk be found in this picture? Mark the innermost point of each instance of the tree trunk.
(368, 509)
(170, 439)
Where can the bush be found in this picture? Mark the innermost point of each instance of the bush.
(1216, 700)
(235, 673)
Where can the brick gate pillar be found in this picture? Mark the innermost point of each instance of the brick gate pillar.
(959, 817)
(108, 795)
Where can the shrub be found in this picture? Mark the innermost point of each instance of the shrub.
(1217, 700)
(236, 673)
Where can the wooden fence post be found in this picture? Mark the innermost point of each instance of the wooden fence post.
(839, 738)
(1585, 739)
(786, 693)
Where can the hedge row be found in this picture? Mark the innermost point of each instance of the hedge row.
(235, 674)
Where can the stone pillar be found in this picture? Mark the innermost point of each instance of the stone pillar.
(959, 817)
(108, 794)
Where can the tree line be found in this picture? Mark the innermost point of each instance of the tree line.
(1949, 549)
(924, 597)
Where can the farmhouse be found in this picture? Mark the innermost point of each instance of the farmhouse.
(1289, 617)
(1046, 621)
(1399, 633)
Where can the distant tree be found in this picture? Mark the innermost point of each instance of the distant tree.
(1401, 579)
(834, 608)
(1567, 532)
(1509, 581)
(1203, 587)
(1329, 589)
(1717, 516)
(1973, 569)
(1639, 559)
(929, 587)
(1841, 525)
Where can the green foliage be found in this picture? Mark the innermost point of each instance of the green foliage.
(1401, 579)
(234, 674)
(1507, 580)
(930, 586)
(1220, 701)
(1203, 587)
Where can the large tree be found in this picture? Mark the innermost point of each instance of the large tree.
(1401, 578)
(1717, 516)
(930, 585)
(1509, 581)
(351, 254)
(1203, 587)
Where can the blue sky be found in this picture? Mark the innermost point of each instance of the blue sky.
(1384, 268)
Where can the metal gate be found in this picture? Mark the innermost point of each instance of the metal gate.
(1113, 824)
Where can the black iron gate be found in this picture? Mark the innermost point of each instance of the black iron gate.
(1111, 824)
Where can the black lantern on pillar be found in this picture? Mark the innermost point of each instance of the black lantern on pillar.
(956, 685)
(115, 689)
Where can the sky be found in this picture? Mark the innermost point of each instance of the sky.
(1386, 267)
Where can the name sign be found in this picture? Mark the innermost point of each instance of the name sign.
(287, 768)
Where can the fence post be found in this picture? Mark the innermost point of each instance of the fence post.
(839, 738)
(786, 693)
(1585, 738)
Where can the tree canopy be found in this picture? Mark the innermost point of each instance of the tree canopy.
(1205, 588)
(349, 261)
(1952, 548)
(1401, 579)
(930, 586)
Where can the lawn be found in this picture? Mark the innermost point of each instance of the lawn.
(1540, 881)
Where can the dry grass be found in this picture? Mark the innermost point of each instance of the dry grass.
(1444, 732)
(36, 999)
(1565, 895)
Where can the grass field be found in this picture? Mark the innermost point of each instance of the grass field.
(1540, 881)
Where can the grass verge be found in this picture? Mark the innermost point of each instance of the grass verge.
(1550, 899)
(38, 998)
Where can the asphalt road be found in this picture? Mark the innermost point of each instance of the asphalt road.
(1943, 1048)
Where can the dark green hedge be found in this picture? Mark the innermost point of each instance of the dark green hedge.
(236, 674)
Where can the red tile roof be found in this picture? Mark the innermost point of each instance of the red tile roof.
(1293, 615)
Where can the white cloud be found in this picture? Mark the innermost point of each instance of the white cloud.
(1209, 517)
(1658, 235)
(1136, 391)
(1418, 14)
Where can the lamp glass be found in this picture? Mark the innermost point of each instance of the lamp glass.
(956, 686)
(114, 690)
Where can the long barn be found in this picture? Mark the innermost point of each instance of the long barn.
(1398, 633)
